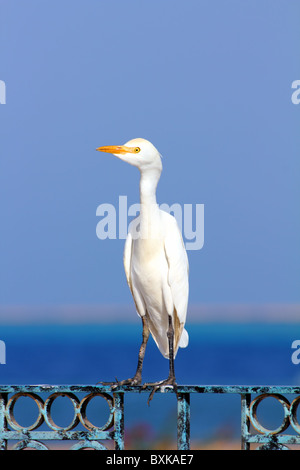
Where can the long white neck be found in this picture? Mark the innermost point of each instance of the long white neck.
(148, 184)
(149, 211)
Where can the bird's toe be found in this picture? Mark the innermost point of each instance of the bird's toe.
(157, 385)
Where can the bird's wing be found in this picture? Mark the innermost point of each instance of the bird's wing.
(178, 274)
(127, 259)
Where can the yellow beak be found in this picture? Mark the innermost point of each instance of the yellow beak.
(118, 149)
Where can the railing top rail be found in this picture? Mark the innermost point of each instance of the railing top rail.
(92, 436)
(235, 389)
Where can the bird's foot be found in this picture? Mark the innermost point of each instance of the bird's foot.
(108, 383)
(157, 385)
(136, 380)
(133, 381)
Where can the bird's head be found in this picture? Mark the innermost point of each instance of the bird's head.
(138, 152)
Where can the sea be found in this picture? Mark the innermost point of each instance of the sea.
(218, 354)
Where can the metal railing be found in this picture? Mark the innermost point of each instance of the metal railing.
(87, 435)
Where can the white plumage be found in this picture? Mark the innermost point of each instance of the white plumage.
(155, 259)
(157, 274)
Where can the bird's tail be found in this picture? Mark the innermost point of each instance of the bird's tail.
(181, 337)
(184, 339)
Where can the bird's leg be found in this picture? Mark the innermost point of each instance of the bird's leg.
(170, 335)
(171, 380)
(137, 378)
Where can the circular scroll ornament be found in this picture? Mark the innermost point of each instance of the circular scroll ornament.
(10, 411)
(83, 406)
(253, 413)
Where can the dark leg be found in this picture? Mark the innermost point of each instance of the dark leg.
(170, 335)
(171, 380)
(137, 378)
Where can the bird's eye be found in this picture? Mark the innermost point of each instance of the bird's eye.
(137, 150)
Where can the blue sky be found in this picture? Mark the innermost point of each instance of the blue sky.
(208, 82)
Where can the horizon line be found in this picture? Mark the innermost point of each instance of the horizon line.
(224, 312)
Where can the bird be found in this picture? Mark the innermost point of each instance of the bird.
(156, 265)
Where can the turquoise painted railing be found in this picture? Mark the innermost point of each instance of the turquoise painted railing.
(86, 435)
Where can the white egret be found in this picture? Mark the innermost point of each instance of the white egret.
(156, 264)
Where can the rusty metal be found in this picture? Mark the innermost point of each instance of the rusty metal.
(183, 421)
(88, 435)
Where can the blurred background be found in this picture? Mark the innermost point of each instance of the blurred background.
(209, 84)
